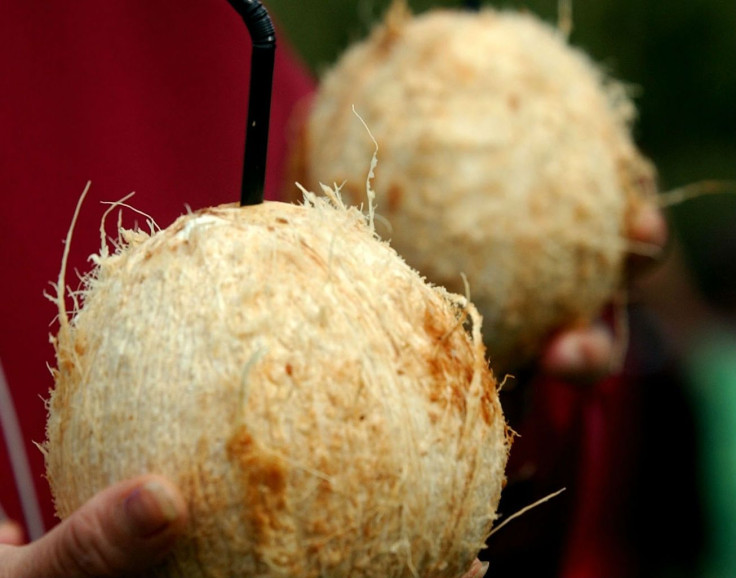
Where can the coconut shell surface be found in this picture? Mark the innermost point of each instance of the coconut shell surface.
(503, 154)
(324, 410)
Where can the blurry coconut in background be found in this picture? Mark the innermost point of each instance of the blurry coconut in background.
(324, 411)
(504, 155)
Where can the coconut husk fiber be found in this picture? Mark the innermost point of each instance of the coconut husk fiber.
(505, 154)
(324, 410)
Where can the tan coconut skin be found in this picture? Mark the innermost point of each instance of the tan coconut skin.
(504, 154)
(324, 410)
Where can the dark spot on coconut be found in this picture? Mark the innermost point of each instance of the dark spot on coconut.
(80, 345)
(289, 369)
(433, 325)
(263, 484)
(394, 195)
(489, 406)
(282, 221)
(452, 344)
(266, 471)
(442, 363)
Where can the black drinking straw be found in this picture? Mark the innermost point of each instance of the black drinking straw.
(263, 38)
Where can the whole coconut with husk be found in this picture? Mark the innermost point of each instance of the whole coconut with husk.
(505, 154)
(324, 411)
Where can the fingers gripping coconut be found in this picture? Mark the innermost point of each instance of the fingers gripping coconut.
(506, 155)
(324, 411)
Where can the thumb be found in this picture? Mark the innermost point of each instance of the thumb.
(121, 530)
(10, 533)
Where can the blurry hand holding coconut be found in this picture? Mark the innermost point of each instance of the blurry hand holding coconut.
(505, 156)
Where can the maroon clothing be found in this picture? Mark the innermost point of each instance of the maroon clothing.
(137, 96)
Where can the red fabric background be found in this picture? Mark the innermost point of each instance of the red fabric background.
(133, 96)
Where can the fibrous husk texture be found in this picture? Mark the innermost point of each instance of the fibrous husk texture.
(324, 410)
(504, 154)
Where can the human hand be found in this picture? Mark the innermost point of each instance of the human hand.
(120, 531)
(585, 354)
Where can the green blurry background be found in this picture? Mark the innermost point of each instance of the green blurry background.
(680, 54)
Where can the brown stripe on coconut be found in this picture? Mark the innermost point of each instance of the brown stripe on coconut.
(506, 155)
(325, 411)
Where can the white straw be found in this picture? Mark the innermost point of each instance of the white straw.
(19, 462)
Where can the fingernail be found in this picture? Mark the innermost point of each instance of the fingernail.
(150, 508)
(10, 533)
(483, 569)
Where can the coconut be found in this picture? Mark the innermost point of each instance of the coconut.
(505, 154)
(323, 409)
